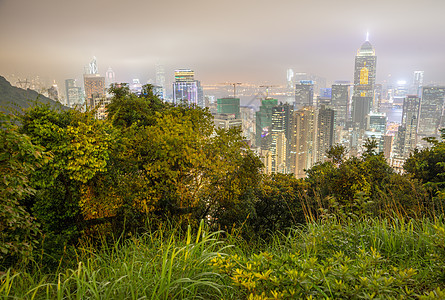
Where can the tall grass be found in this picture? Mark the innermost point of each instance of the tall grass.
(160, 265)
(360, 258)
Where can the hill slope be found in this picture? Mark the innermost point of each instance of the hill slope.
(14, 98)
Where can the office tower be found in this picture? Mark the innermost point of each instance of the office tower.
(53, 92)
(340, 102)
(94, 85)
(431, 110)
(325, 128)
(401, 89)
(290, 85)
(187, 89)
(376, 128)
(376, 122)
(407, 132)
(229, 105)
(304, 93)
(280, 137)
(364, 81)
(303, 143)
(73, 93)
(417, 84)
(110, 78)
(264, 123)
(160, 82)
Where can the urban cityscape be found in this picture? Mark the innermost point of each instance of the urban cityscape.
(291, 126)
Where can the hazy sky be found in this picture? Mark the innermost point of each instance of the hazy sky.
(224, 40)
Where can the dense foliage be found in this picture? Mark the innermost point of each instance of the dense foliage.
(71, 182)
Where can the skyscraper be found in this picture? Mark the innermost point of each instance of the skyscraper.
(160, 82)
(264, 123)
(229, 105)
(280, 137)
(304, 93)
(110, 78)
(73, 93)
(407, 132)
(94, 85)
(416, 87)
(431, 110)
(325, 128)
(340, 102)
(187, 89)
(364, 81)
(303, 143)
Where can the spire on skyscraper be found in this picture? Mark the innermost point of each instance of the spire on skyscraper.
(367, 36)
(93, 66)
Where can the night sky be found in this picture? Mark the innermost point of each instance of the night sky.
(225, 40)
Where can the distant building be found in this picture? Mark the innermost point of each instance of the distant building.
(229, 105)
(264, 123)
(280, 137)
(73, 93)
(160, 82)
(53, 92)
(304, 141)
(186, 89)
(340, 102)
(227, 121)
(94, 86)
(407, 131)
(364, 81)
(325, 128)
(110, 78)
(304, 93)
(431, 110)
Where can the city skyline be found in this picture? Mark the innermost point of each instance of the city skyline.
(251, 41)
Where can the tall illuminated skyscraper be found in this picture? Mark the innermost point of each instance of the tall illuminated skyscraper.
(73, 93)
(187, 89)
(364, 81)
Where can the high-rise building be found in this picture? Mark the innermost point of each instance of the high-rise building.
(407, 132)
(325, 128)
(431, 110)
(303, 143)
(110, 78)
(340, 102)
(94, 87)
(364, 81)
(187, 89)
(73, 93)
(229, 105)
(94, 84)
(264, 123)
(416, 87)
(280, 137)
(304, 93)
(160, 82)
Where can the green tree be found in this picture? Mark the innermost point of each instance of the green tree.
(18, 159)
(79, 145)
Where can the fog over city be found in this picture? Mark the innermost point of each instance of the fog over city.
(249, 41)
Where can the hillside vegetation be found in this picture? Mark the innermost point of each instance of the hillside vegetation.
(154, 202)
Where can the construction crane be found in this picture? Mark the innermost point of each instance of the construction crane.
(259, 94)
(267, 89)
(234, 86)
